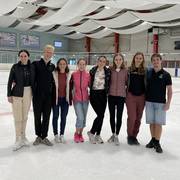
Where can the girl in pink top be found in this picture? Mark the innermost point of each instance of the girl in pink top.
(79, 84)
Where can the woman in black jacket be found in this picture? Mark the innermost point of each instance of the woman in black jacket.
(99, 86)
(19, 93)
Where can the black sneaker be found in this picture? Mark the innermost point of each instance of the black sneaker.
(130, 140)
(135, 141)
(158, 148)
(150, 144)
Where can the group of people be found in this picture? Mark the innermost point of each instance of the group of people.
(56, 88)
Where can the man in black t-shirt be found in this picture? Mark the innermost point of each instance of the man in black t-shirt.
(159, 84)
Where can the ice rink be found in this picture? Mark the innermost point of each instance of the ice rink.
(87, 161)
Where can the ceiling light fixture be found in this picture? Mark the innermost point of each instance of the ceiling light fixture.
(106, 7)
(20, 7)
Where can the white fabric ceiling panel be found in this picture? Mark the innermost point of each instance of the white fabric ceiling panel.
(75, 36)
(142, 27)
(165, 24)
(40, 21)
(7, 5)
(148, 6)
(87, 26)
(6, 21)
(23, 26)
(62, 30)
(54, 3)
(166, 2)
(160, 16)
(24, 10)
(43, 28)
(73, 21)
(120, 21)
(70, 10)
(100, 34)
(89, 8)
(128, 4)
(105, 13)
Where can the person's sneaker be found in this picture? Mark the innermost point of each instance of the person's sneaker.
(135, 141)
(61, 139)
(116, 140)
(56, 138)
(25, 142)
(18, 145)
(111, 139)
(76, 138)
(37, 141)
(130, 140)
(47, 142)
(150, 144)
(98, 139)
(158, 148)
(81, 138)
(91, 137)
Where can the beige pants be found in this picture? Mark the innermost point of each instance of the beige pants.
(21, 106)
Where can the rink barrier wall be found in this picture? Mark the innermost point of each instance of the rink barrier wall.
(175, 72)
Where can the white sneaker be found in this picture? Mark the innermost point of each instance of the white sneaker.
(18, 145)
(91, 137)
(25, 142)
(111, 139)
(61, 139)
(116, 140)
(56, 138)
(98, 139)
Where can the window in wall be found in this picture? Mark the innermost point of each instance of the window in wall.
(72, 61)
(57, 44)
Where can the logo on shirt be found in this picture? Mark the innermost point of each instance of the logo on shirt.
(160, 76)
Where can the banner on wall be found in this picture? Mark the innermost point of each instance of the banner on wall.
(7, 39)
(29, 41)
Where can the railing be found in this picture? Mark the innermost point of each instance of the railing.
(170, 60)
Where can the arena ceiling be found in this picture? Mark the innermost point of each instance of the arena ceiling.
(76, 19)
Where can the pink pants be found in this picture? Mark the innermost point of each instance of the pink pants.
(135, 106)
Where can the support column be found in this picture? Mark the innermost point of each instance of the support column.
(155, 40)
(116, 42)
(88, 48)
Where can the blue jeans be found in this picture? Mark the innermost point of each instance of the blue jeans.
(81, 112)
(63, 104)
(155, 113)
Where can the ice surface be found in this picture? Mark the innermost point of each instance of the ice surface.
(87, 161)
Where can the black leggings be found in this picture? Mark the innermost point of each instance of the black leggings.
(98, 100)
(116, 102)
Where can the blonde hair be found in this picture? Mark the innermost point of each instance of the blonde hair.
(49, 46)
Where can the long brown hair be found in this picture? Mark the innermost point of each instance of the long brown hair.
(114, 64)
(141, 69)
(57, 65)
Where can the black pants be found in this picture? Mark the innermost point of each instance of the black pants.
(98, 100)
(116, 103)
(42, 107)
